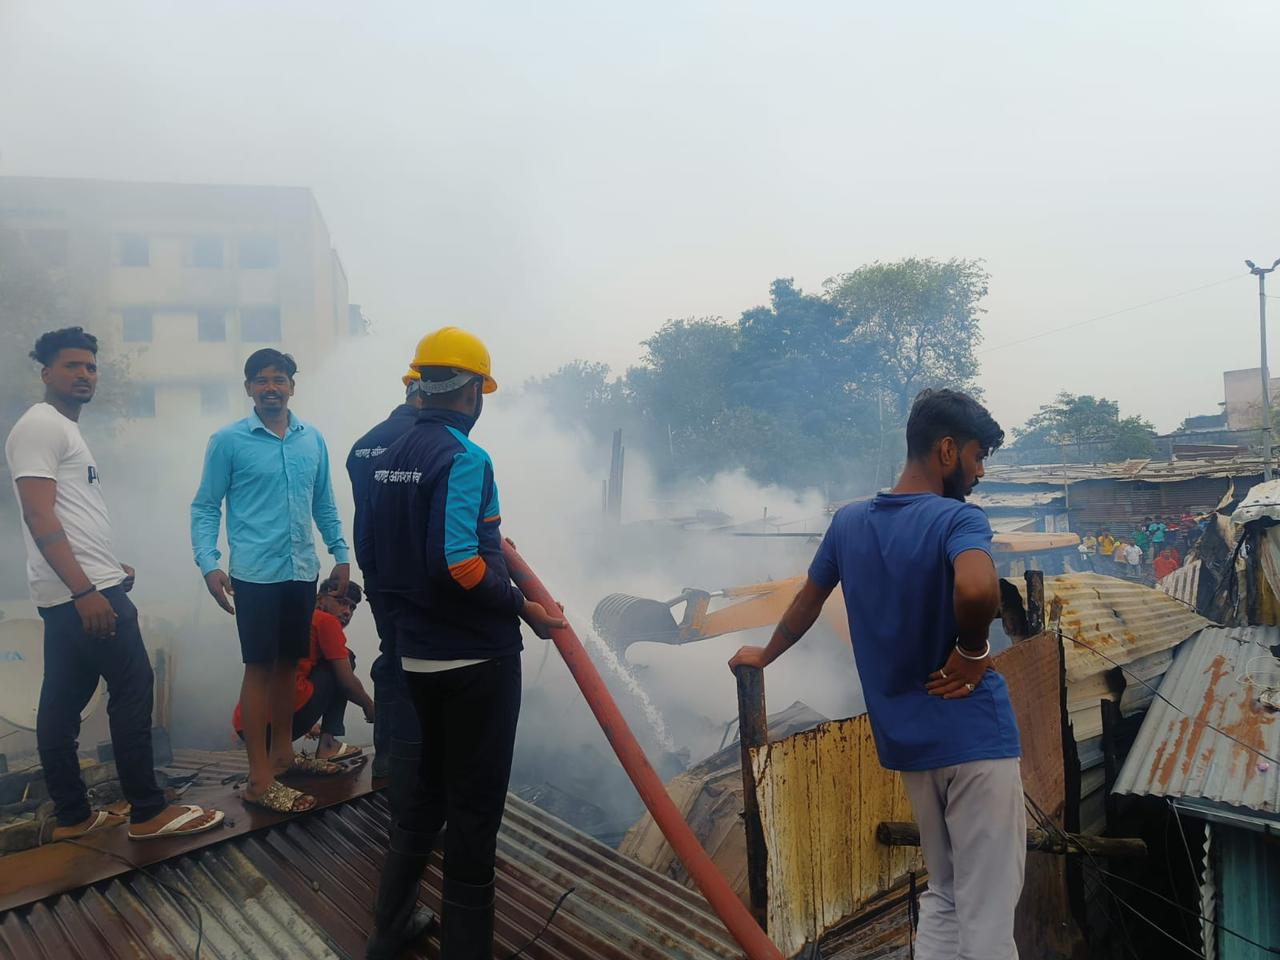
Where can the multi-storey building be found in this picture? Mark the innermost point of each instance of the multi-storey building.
(186, 280)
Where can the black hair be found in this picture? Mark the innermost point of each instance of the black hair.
(259, 360)
(54, 342)
(949, 413)
(354, 593)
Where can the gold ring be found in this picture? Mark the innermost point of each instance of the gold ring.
(970, 686)
(942, 674)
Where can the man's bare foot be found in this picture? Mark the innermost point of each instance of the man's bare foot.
(168, 815)
(98, 820)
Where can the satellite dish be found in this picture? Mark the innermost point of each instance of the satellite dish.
(21, 673)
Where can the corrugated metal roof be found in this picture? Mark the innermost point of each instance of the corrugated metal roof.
(305, 888)
(1262, 501)
(1120, 618)
(243, 915)
(1013, 524)
(1130, 623)
(1184, 583)
(1176, 754)
(989, 500)
(1150, 471)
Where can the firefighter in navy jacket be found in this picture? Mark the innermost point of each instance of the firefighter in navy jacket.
(434, 544)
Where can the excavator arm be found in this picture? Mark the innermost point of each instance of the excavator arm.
(621, 619)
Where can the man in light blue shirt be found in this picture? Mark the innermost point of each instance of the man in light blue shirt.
(273, 471)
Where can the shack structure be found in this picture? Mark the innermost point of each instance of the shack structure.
(1095, 495)
(1210, 747)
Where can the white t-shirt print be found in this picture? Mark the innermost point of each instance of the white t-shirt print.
(44, 443)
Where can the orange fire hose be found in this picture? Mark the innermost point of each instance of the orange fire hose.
(731, 911)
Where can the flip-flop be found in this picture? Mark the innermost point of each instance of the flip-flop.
(303, 764)
(281, 799)
(101, 821)
(174, 828)
(348, 752)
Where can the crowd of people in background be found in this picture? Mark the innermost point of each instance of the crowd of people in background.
(1148, 549)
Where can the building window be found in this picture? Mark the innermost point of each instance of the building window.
(135, 250)
(258, 252)
(206, 252)
(138, 326)
(211, 326)
(260, 325)
(48, 247)
(142, 400)
(213, 398)
(357, 323)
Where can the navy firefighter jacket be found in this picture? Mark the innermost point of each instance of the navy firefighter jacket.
(360, 469)
(435, 546)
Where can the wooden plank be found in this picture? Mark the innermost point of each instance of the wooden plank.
(877, 799)
(905, 835)
(784, 809)
(809, 745)
(1043, 926)
(836, 806)
(902, 861)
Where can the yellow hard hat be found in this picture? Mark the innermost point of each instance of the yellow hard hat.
(454, 347)
(410, 377)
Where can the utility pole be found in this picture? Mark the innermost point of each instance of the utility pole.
(1261, 274)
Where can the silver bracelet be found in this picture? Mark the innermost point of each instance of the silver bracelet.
(982, 656)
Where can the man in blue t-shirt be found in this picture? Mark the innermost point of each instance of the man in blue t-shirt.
(921, 591)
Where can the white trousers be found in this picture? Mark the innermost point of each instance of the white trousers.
(973, 832)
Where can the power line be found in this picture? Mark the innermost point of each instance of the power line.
(1114, 313)
(1195, 720)
(1191, 913)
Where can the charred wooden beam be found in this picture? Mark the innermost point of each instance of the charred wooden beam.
(753, 731)
(894, 833)
(1035, 602)
(1012, 615)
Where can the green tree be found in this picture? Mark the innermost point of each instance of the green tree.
(581, 393)
(1086, 428)
(808, 389)
(917, 321)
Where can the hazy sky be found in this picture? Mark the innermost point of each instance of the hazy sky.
(563, 177)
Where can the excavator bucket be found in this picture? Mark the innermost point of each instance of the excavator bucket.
(621, 620)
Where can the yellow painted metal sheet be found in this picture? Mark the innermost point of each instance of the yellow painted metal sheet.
(822, 793)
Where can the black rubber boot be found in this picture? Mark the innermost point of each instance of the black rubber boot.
(466, 926)
(397, 918)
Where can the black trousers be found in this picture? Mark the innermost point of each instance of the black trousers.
(72, 665)
(327, 704)
(468, 719)
(393, 715)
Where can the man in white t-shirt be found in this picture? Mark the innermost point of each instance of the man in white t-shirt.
(78, 585)
(1133, 553)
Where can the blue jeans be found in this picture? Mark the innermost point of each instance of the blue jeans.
(72, 665)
